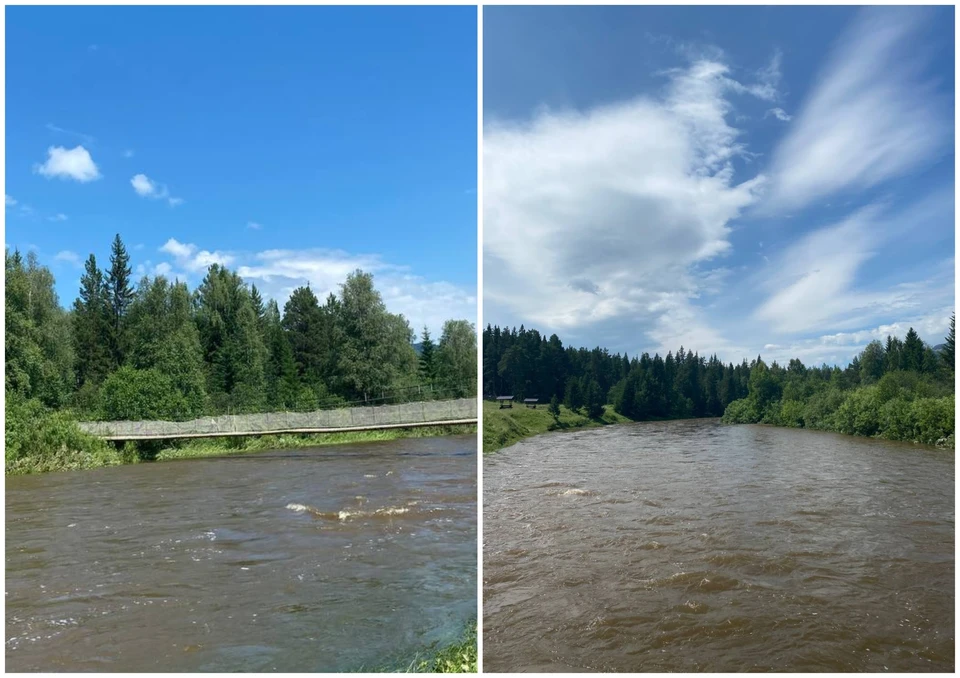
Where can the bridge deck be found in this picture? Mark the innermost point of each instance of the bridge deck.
(406, 415)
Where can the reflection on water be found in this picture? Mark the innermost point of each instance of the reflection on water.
(690, 546)
(324, 559)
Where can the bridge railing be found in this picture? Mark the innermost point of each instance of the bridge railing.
(378, 416)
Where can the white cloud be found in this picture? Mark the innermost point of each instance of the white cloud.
(873, 114)
(144, 186)
(128, 153)
(69, 257)
(254, 225)
(603, 215)
(840, 348)
(75, 163)
(779, 114)
(192, 259)
(148, 188)
(814, 284)
(278, 272)
(58, 217)
(8, 201)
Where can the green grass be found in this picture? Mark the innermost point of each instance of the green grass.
(216, 447)
(504, 427)
(457, 657)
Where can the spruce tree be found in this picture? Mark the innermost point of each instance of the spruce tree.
(427, 366)
(120, 293)
(92, 327)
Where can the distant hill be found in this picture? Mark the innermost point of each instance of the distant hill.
(939, 347)
(418, 347)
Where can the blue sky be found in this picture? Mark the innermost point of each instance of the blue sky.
(292, 144)
(738, 180)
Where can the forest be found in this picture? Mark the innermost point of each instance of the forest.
(157, 350)
(900, 389)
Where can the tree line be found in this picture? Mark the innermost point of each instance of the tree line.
(900, 389)
(157, 350)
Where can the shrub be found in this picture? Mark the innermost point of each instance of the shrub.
(39, 440)
(791, 413)
(132, 394)
(933, 418)
(743, 411)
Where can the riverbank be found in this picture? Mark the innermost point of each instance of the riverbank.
(458, 657)
(504, 427)
(215, 447)
(866, 412)
(42, 441)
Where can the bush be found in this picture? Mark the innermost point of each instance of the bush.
(933, 419)
(896, 419)
(791, 414)
(743, 411)
(39, 440)
(132, 394)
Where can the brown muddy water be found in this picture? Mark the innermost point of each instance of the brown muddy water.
(691, 546)
(326, 559)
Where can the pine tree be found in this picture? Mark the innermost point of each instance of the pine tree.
(92, 327)
(912, 353)
(427, 367)
(120, 293)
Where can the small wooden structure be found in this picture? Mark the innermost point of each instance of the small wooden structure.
(506, 402)
(531, 402)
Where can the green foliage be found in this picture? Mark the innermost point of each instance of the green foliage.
(132, 394)
(554, 408)
(119, 293)
(39, 440)
(374, 348)
(743, 411)
(92, 327)
(427, 357)
(456, 357)
(39, 357)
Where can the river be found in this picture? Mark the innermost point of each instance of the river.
(692, 546)
(325, 559)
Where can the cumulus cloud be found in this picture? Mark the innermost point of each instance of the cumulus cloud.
(597, 215)
(58, 217)
(873, 114)
(75, 163)
(8, 201)
(146, 187)
(277, 272)
(191, 258)
(253, 225)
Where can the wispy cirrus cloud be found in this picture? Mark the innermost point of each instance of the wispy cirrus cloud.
(874, 114)
(85, 138)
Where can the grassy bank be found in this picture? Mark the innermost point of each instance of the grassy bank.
(504, 427)
(214, 447)
(459, 656)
